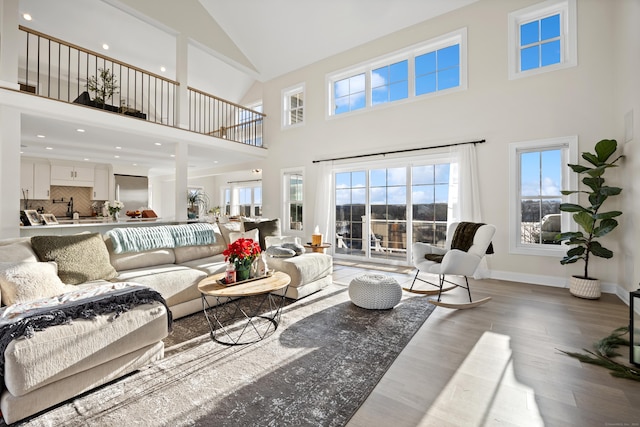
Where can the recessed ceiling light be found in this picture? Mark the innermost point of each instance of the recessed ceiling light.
(40, 136)
(173, 155)
(86, 160)
(117, 157)
(22, 152)
(105, 46)
(118, 148)
(27, 17)
(135, 164)
(49, 148)
(80, 130)
(163, 69)
(157, 143)
(215, 161)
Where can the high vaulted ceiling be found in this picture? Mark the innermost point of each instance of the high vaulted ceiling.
(239, 41)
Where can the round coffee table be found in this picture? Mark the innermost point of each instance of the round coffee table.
(234, 315)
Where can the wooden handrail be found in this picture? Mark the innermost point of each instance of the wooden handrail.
(225, 101)
(99, 55)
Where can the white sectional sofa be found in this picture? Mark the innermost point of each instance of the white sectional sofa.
(66, 360)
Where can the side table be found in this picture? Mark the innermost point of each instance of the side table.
(318, 248)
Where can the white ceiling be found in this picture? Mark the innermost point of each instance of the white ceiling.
(264, 39)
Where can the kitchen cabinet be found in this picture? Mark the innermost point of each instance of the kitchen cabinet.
(35, 180)
(101, 184)
(75, 176)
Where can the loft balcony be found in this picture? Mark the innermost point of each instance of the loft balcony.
(59, 70)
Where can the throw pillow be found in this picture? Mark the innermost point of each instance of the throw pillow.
(266, 228)
(252, 234)
(280, 252)
(18, 252)
(80, 257)
(229, 227)
(297, 248)
(25, 281)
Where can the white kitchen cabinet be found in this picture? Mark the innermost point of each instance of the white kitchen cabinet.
(101, 184)
(75, 176)
(41, 181)
(35, 178)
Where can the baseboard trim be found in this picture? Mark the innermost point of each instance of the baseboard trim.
(557, 282)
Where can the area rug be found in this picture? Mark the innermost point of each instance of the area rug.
(316, 369)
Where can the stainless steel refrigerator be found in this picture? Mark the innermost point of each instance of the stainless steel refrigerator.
(133, 191)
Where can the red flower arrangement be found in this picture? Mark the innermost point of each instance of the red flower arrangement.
(242, 252)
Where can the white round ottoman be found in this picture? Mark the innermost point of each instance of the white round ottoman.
(375, 291)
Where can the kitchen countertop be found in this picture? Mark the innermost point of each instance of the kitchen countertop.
(93, 225)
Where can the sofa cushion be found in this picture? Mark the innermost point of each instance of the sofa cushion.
(175, 283)
(210, 265)
(80, 345)
(133, 260)
(280, 240)
(80, 257)
(189, 253)
(303, 269)
(19, 251)
(269, 227)
(26, 281)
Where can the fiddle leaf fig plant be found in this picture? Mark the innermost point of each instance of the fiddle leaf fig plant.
(589, 217)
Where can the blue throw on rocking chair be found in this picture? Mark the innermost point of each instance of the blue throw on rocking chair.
(466, 245)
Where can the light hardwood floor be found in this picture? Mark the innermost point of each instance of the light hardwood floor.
(500, 364)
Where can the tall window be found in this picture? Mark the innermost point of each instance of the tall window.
(247, 201)
(539, 172)
(433, 66)
(294, 200)
(542, 37)
(380, 211)
(293, 106)
(430, 197)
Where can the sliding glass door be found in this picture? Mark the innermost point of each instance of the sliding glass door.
(381, 211)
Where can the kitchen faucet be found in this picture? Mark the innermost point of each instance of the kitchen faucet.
(70, 208)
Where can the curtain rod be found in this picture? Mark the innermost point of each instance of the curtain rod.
(246, 180)
(384, 153)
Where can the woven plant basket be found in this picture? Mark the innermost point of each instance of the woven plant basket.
(584, 288)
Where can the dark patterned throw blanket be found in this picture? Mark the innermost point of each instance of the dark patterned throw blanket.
(462, 240)
(24, 319)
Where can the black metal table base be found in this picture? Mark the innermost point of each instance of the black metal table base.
(244, 320)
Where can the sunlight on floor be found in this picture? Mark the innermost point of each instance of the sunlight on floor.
(484, 391)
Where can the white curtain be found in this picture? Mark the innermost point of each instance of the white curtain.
(464, 192)
(323, 204)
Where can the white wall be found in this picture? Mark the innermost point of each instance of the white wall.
(574, 101)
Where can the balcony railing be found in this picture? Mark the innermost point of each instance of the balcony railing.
(56, 69)
(214, 116)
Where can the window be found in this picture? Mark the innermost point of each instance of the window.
(293, 198)
(382, 209)
(249, 127)
(293, 106)
(245, 201)
(350, 94)
(390, 83)
(542, 38)
(433, 66)
(539, 172)
(438, 70)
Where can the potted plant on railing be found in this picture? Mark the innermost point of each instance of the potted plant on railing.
(590, 218)
(104, 86)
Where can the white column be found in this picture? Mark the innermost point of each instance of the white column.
(9, 173)
(182, 174)
(182, 69)
(9, 42)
